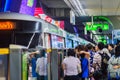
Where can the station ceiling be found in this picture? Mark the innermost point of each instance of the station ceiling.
(107, 8)
(55, 3)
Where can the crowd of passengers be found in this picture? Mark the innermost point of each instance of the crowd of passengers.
(88, 62)
(85, 62)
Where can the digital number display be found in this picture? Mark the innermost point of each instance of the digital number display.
(7, 25)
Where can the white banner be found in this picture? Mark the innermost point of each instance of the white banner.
(72, 17)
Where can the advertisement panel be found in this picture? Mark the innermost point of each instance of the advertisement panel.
(24, 67)
(57, 42)
(39, 13)
(115, 36)
(28, 7)
(68, 43)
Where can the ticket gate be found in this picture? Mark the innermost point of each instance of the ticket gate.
(18, 63)
(4, 63)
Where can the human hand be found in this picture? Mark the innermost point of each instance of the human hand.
(81, 52)
(37, 51)
(115, 67)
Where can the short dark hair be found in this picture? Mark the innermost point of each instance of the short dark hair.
(117, 51)
(106, 46)
(100, 45)
(111, 45)
(81, 47)
(89, 46)
(42, 53)
(71, 52)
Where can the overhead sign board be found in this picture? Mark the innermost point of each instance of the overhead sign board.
(7, 25)
(94, 27)
(4, 51)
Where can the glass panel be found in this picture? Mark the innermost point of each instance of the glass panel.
(3, 67)
(38, 65)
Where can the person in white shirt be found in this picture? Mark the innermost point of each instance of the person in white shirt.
(70, 66)
(41, 66)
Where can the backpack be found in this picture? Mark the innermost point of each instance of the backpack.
(104, 62)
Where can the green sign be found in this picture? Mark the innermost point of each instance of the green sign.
(103, 18)
(102, 40)
(95, 26)
(52, 30)
(24, 67)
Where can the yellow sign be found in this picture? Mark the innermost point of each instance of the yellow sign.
(48, 50)
(4, 51)
(7, 25)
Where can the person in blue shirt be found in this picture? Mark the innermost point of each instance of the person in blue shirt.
(84, 56)
(90, 48)
(84, 66)
(33, 60)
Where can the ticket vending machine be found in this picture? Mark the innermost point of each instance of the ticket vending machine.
(4, 63)
(18, 63)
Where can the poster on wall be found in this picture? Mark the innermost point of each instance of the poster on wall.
(57, 42)
(47, 41)
(24, 67)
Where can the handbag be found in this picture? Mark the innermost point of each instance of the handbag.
(97, 73)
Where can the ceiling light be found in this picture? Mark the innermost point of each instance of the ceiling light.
(76, 6)
(70, 5)
(79, 7)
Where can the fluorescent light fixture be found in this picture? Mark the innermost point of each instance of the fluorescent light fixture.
(82, 12)
(72, 8)
(76, 6)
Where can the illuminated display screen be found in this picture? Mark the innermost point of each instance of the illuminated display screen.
(68, 43)
(96, 26)
(30, 3)
(103, 41)
(24, 67)
(7, 25)
(75, 43)
(28, 7)
(4, 51)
